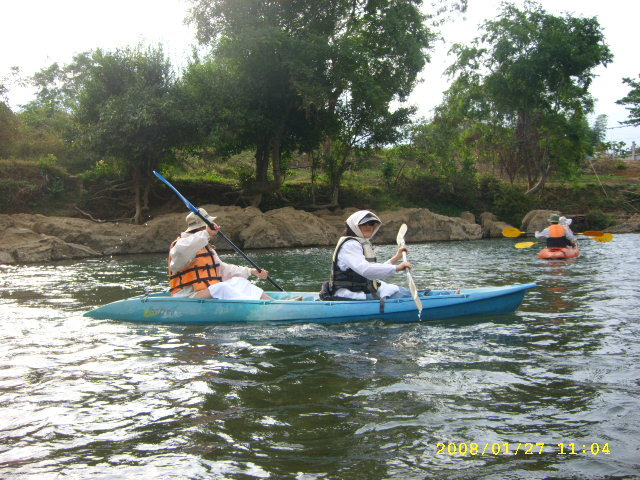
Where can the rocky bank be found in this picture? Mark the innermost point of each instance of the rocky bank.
(27, 238)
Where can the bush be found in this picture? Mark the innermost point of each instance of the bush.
(511, 204)
(597, 220)
(15, 194)
(25, 185)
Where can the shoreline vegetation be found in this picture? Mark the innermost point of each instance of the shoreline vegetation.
(603, 192)
(72, 221)
(303, 110)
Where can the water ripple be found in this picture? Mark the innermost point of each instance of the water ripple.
(84, 398)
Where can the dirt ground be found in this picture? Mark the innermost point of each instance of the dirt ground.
(615, 171)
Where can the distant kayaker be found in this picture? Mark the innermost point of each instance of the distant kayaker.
(195, 270)
(355, 273)
(558, 234)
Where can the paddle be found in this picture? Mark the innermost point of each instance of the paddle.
(525, 244)
(604, 238)
(412, 285)
(514, 232)
(197, 212)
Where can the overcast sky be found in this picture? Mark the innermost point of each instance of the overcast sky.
(36, 33)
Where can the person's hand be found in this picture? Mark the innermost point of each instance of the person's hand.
(398, 254)
(403, 266)
(262, 274)
(213, 231)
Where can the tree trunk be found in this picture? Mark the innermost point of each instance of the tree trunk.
(137, 187)
(541, 181)
(546, 166)
(262, 164)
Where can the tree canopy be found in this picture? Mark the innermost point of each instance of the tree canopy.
(632, 101)
(295, 73)
(126, 112)
(527, 78)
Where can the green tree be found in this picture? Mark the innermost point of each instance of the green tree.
(529, 76)
(8, 130)
(127, 114)
(599, 131)
(632, 100)
(304, 74)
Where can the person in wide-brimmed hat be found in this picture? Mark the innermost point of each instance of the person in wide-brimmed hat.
(195, 270)
(355, 273)
(558, 233)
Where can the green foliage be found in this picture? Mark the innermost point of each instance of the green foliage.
(28, 185)
(599, 131)
(632, 102)
(597, 220)
(8, 131)
(525, 83)
(15, 195)
(510, 203)
(105, 168)
(286, 77)
(389, 172)
(127, 111)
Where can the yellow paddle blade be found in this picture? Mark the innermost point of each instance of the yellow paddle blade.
(592, 233)
(525, 244)
(605, 237)
(511, 232)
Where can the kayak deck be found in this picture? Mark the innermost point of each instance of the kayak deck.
(559, 253)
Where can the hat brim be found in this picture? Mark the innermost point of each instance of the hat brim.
(199, 225)
(367, 219)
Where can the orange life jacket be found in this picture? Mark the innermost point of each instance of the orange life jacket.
(200, 273)
(557, 236)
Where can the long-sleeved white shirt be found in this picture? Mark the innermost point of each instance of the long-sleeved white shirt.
(351, 256)
(185, 249)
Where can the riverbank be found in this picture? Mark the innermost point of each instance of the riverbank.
(29, 238)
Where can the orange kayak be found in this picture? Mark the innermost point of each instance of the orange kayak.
(559, 253)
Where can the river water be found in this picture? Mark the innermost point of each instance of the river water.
(552, 391)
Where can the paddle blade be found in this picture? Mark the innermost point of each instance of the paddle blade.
(511, 232)
(604, 238)
(401, 233)
(189, 205)
(525, 244)
(592, 233)
(414, 293)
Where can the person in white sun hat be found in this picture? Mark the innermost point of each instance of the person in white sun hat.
(558, 233)
(195, 270)
(355, 272)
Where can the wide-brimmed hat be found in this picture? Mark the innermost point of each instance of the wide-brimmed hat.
(194, 222)
(554, 218)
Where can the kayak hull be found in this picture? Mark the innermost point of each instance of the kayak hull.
(439, 304)
(559, 253)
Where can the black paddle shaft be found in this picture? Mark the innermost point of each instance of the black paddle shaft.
(240, 252)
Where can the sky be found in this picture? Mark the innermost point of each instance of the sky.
(36, 33)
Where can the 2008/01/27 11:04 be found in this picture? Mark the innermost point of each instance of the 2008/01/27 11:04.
(528, 448)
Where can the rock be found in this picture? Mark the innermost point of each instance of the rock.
(536, 220)
(424, 225)
(630, 225)
(468, 217)
(491, 226)
(26, 238)
(28, 246)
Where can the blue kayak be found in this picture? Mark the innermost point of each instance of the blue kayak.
(437, 304)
